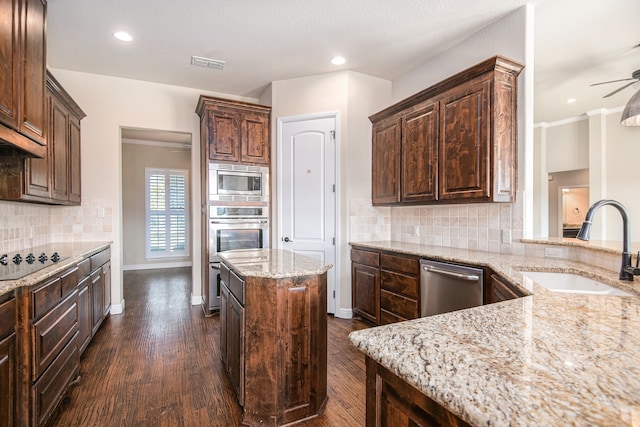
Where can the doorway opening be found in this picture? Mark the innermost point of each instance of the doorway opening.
(156, 199)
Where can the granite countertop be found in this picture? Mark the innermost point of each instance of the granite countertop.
(547, 359)
(272, 263)
(71, 253)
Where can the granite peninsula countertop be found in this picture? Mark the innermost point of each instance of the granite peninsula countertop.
(547, 359)
(71, 253)
(272, 263)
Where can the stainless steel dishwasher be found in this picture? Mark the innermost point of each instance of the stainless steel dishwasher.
(448, 287)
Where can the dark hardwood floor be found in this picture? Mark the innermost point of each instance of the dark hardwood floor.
(158, 364)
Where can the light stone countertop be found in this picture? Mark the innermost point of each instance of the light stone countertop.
(72, 253)
(272, 263)
(547, 359)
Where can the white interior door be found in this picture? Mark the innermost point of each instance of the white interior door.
(307, 192)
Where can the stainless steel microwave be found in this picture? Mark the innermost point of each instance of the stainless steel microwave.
(238, 183)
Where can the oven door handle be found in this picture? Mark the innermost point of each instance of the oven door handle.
(239, 221)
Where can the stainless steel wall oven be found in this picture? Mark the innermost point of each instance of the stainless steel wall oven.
(233, 227)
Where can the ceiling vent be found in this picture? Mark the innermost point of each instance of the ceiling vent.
(216, 64)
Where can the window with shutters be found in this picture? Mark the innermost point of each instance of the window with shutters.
(167, 209)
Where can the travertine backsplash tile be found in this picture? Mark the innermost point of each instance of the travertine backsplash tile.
(469, 226)
(24, 225)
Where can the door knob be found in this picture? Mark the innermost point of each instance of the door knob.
(286, 240)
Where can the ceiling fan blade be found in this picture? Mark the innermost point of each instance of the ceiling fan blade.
(620, 88)
(612, 81)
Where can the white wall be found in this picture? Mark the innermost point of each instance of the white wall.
(568, 146)
(111, 103)
(354, 97)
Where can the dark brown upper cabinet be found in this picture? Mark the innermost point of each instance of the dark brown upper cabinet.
(22, 82)
(453, 142)
(55, 178)
(234, 132)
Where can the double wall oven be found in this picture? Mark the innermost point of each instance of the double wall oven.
(238, 216)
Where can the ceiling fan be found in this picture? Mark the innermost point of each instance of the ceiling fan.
(635, 76)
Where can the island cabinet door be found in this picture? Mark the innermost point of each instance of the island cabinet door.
(224, 310)
(391, 402)
(235, 346)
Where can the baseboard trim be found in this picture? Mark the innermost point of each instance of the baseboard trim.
(156, 266)
(344, 313)
(117, 308)
(196, 300)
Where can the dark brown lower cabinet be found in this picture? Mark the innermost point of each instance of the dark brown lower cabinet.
(8, 363)
(84, 314)
(8, 381)
(391, 402)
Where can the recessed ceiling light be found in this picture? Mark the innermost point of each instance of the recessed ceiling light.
(123, 36)
(338, 60)
(571, 100)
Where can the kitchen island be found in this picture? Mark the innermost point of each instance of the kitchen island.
(273, 332)
(548, 359)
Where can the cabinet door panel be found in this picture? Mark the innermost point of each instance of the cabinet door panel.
(235, 346)
(106, 283)
(366, 291)
(75, 187)
(59, 151)
(84, 314)
(97, 298)
(255, 140)
(9, 58)
(385, 183)
(400, 284)
(8, 381)
(464, 144)
(406, 308)
(420, 154)
(223, 130)
(33, 53)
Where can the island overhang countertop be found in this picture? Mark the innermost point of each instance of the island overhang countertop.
(272, 263)
(548, 359)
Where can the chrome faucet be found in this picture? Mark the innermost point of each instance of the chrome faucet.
(627, 271)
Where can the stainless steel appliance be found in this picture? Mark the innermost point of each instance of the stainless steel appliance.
(238, 183)
(233, 227)
(448, 287)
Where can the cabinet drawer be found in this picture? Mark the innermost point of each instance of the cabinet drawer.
(46, 297)
(100, 258)
(224, 273)
(50, 388)
(403, 264)
(365, 257)
(50, 334)
(398, 305)
(236, 286)
(400, 283)
(387, 317)
(7, 317)
(84, 268)
(69, 281)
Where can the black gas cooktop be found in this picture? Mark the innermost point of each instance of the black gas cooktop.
(20, 264)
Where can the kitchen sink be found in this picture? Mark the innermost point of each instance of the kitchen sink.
(572, 283)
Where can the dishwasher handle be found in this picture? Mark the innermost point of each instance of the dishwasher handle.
(462, 276)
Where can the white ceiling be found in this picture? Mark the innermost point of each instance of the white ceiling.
(578, 42)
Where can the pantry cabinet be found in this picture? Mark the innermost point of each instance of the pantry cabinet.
(234, 131)
(453, 142)
(22, 87)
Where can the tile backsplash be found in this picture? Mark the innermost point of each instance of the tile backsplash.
(493, 227)
(24, 225)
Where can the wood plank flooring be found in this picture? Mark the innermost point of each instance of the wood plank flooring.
(158, 364)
